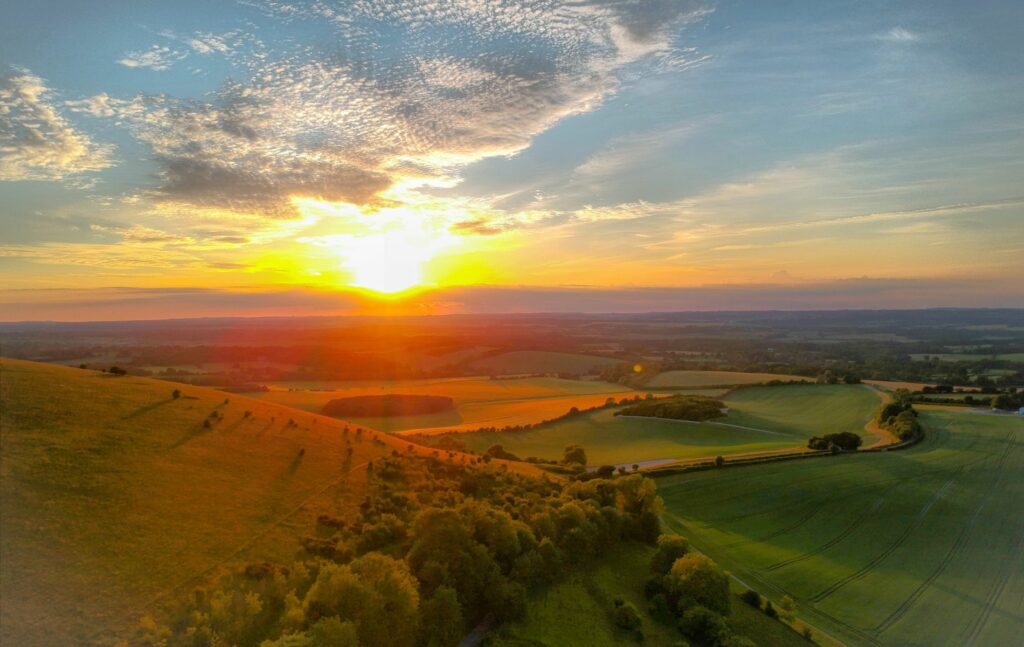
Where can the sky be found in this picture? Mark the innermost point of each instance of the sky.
(266, 156)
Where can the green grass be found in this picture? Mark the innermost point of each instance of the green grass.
(923, 546)
(791, 413)
(577, 611)
(522, 362)
(698, 379)
(114, 496)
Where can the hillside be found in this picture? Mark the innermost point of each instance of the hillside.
(109, 484)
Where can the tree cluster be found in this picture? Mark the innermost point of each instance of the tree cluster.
(432, 550)
(677, 407)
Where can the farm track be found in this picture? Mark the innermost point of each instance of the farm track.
(958, 545)
(881, 557)
(997, 591)
(835, 540)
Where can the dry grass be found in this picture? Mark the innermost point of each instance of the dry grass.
(114, 496)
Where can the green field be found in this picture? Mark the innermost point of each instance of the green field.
(774, 418)
(114, 496)
(923, 546)
(577, 611)
(479, 402)
(522, 362)
(698, 379)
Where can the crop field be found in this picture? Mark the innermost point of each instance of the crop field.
(479, 402)
(923, 546)
(109, 484)
(523, 362)
(760, 419)
(553, 617)
(700, 379)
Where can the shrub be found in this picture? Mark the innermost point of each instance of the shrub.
(626, 617)
(703, 625)
(769, 610)
(751, 597)
(670, 548)
(176, 393)
(117, 370)
(697, 581)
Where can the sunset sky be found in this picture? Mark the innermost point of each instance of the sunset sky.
(254, 157)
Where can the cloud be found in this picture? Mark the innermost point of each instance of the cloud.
(158, 58)
(374, 117)
(899, 35)
(36, 141)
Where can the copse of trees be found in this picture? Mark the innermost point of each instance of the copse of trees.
(435, 547)
(677, 407)
(691, 591)
(845, 441)
(899, 416)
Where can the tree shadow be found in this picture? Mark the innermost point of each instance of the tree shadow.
(146, 409)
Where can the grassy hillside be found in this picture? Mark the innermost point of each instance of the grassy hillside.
(578, 611)
(109, 484)
(479, 402)
(765, 419)
(698, 379)
(923, 546)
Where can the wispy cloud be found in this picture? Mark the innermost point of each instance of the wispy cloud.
(36, 141)
(899, 35)
(158, 58)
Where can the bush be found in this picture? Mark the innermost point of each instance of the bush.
(117, 370)
(670, 548)
(845, 441)
(769, 610)
(752, 598)
(176, 393)
(697, 581)
(626, 617)
(703, 625)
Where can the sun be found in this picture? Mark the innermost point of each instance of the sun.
(389, 262)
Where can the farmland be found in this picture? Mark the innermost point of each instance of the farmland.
(140, 494)
(916, 547)
(531, 361)
(765, 419)
(553, 615)
(703, 379)
(479, 402)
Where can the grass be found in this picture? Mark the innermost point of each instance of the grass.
(523, 362)
(479, 402)
(780, 417)
(923, 546)
(577, 611)
(114, 496)
(698, 379)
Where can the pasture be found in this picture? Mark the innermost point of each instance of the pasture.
(479, 402)
(553, 615)
(704, 379)
(760, 419)
(923, 546)
(111, 485)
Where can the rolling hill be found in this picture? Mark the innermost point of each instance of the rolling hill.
(116, 496)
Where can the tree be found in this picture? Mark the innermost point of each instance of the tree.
(751, 597)
(441, 618)
(703, 625)
(788, 607)
(117, 370)
(626, 617)
(697, 581)
(606, 471)
(574, 455)
(332, 632)
(176, 393)
(670, 548)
